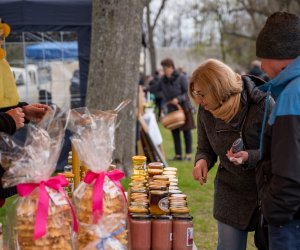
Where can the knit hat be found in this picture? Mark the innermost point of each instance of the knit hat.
(280, 37)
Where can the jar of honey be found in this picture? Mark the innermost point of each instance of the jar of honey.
(139, 165)
(159, 202)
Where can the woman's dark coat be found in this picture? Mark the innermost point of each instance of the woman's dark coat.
(176, 87)
(235, 198)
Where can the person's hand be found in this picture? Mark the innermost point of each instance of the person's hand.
(18, 116)
(174, 101)
(200, 171)
(35, 112)
(237, 158)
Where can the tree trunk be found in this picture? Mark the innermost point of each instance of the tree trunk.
(114, 67)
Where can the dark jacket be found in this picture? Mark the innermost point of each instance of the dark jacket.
(8, 126)
(235, 198)
(279, 168)
(174, 87)
(156, 90)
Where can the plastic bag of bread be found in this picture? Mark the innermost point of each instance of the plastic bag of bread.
(99, 199)
(41, 216)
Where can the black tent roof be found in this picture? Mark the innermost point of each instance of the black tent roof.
(46, 12)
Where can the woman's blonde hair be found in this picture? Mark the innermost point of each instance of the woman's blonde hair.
(216, 78)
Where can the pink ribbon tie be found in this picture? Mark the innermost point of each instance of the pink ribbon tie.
(97, 199)
(57, 183)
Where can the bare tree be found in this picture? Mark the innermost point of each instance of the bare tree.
(151, 26)
(114, 67)
(238, 24)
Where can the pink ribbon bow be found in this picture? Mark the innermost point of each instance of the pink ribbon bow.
(114, 176)
(56, 183)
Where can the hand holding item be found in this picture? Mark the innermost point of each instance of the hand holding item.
(18, 116)
(200, 171)
(236, 154)
(35, 112)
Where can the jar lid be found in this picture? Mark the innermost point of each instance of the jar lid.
(139, 159)
(140, 216)
(182, 217)
(155, 165)
(162, 217)
(175, 191)
(158, 192)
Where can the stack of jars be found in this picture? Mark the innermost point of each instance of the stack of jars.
(171, 173)
(167, 226)
(160, 233)
(138, 187)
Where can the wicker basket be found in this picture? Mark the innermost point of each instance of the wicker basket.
(175, 119)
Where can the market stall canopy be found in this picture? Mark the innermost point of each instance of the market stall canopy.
(53, 51)
(54, 15)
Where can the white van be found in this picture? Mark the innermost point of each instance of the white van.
(29, 81)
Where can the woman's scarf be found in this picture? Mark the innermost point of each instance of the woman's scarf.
(228, 109)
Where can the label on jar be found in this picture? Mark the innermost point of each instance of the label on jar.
(163, 204)
(189, 236)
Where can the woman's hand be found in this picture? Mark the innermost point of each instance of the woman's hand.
(237, 158)
(18, 116)
(35, 112)
(200, 171)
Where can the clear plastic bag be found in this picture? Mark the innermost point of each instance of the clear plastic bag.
(99, 200)
(41, 217)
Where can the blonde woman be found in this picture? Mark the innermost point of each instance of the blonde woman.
(230, 107)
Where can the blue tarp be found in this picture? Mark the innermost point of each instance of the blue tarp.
(53, 51)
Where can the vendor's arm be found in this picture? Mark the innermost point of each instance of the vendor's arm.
(35, 111)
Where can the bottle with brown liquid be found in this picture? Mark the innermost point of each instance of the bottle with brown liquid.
(140, 232)
(161, 233)
(183, 233)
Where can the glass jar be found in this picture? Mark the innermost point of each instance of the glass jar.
(140, 232)
(161, 233)
(159, 202)
(139, 165)
(183, 233)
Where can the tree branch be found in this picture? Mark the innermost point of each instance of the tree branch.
(163, 2)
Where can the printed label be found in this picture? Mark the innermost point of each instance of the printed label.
(56, 197)
(163, 204)
(189, 236)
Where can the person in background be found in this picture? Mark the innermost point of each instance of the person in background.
(158, 94)
(278, 47)
(230, 108)
(174, 88)
(256, 70)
